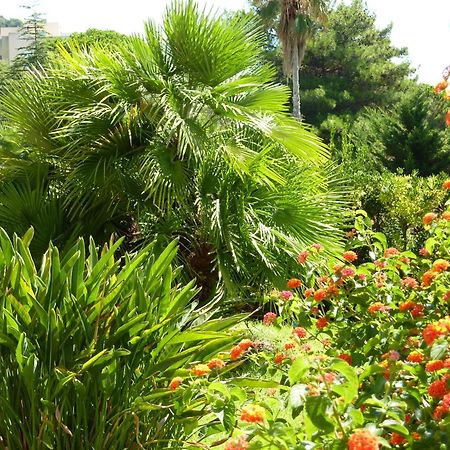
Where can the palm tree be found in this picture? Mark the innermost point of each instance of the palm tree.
(296, 24)
(179, 133)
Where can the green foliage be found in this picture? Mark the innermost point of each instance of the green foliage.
(379, 363)
(411, 135)
(4, 22)
(173, 135)
(349, 65)
(89, 342)
(89, 38)
(34, 53)
(396, 202)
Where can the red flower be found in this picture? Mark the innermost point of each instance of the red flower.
(309, 293)
(320, 295)
(436, 330)
(239, 443)
(294, 283)
(438, 388)
(236, 352)
(322, 322)
(216, 363)
(428, 218)
(289, 345)
(377, 307)
(441, 265)
(175, 383)
(299, 332)
(397, 439)
(301, 259)
(269, 318)
(350, 256)
(245, 344)
(409, 282)
(391, 251)
(433, 366)
(253, 413)
(363, 439)
(279, 358)
(346, 357)
(415, 356)
(200, 369)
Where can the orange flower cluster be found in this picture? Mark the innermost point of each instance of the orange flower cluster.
(280, 357)
(319, 295)
(216, 363)
(443, 407)
(378, 307)
(237, 351)
(415, 309)
(439, 388)
(415, 357)
(363, 439)
(294, 283)
(269, 318)
(200, 369)
(350, 256)
(436, 330)
(441, 86)
(253, 413)
(308, 293)
(434, 366)
(391, 251)
(409, 282)
(397, 439)
(446, 184)
(299, 332)
(428, 277)
(428, 218)
(346, 357)
(239, 443)
(322, 322)
(289, 345)
(440, 265)
(175, 383)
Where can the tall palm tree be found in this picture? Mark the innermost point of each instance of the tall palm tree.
(297, 20)
(179, 133)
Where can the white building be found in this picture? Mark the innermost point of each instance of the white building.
(11, 41)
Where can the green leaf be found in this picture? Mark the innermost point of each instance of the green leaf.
(439, 349)
(298, 370)
(348, 389)
(395, 426)
(255, 383)
(317, 408)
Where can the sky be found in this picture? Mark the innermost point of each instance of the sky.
(423, 28)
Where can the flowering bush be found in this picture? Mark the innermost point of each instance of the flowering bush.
(362, 360)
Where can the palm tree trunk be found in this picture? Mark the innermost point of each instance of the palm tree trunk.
(296, 84)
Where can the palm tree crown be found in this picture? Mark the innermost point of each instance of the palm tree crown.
(180, 133)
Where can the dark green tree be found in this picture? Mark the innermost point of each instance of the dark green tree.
(410, 136)
(349, 65)
(35, 51)
(4, 22)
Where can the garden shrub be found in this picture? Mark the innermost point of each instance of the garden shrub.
(89, 343)
(370, 370)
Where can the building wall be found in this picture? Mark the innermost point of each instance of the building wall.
(11, 41)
